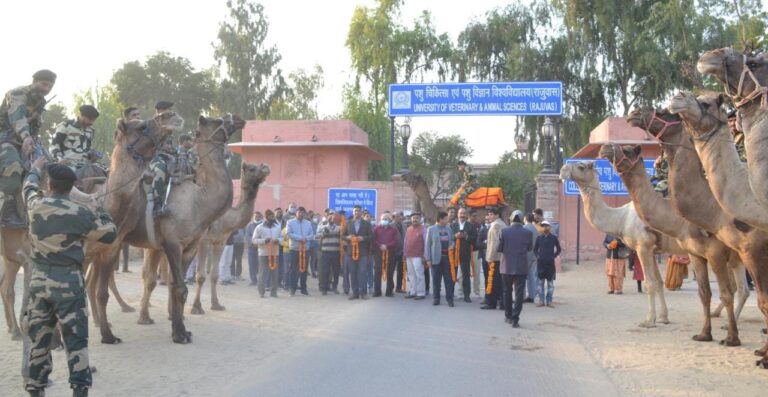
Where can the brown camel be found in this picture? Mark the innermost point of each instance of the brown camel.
(691, 196)
(705, 121)
(744, 79)
(428, 207)
(12, 241)
(135, 144)
(625, 223)
(702, 247)
(194, 207)
(235, 218)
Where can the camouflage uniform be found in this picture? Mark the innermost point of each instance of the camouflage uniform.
(471, 177)
(739, 139)
(661, 174)
(187, 160)
(20, 114)
(59, 228)
(72, 143)
(159, 166)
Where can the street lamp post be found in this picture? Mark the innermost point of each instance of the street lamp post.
(547, 131)
(405, 134)
(392, 145)
(521, 146)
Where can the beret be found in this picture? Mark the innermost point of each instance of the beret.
(45, 75)
(61, 172)
(162, 105)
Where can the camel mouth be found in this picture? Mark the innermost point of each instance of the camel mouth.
(565, 173)
(607, 151)
(635, 118)
(708, 64)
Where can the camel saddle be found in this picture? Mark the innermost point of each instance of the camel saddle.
(481, 198)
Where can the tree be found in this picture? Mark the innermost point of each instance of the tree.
(166, 77)
(54, 114)
(299, 103)
(365, 115)
(106, 100)
(383, 52)
(513, 176)
(435, 157)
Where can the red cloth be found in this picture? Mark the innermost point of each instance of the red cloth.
(637, 270)
(414, 242)
(386, 235)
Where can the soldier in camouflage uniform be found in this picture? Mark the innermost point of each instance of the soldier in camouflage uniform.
(20, 121)
(738, 135)
(159, 166)
(58, 231)
(187, 155)
(661, 174)
(71, 144)
(470, 182)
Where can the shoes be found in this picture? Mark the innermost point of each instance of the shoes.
(364, 297)
(79, 391)
(353, 297)
(467, 299)
(400, 291)
(515, 324)
(450, 303)
(36, 393)
(435, 303)
(262, 295)
(610, 292)
(539, 304)
(389, 294)
(293, 293)
(419, 298)
(550, 305)
(409, 296)
(376, 294)
(487, 307)
(336, 292)
(324, 293)
(528, 300)
(619, 292)
(273, 294)
(508, 320)
(305, 292)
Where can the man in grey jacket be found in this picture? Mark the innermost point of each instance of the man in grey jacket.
(515, 244)
(439, 242)
(533, 279)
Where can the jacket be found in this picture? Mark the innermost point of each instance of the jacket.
(433, 247)
(612, 253)
(492, 253)
(264, 232)
(546, 249)
(299, 230)
(365, 231)
(465, 246)
(515, 244)
(532, 228)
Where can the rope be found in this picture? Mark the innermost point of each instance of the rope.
(384, 264)
(355, 248)
(489, 282)
(302, 256)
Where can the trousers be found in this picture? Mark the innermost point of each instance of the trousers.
(266, 274)
(493, 289)
(358, 272)
(225, 264)
(297, 279)
(513, 283)
(253, 264)
(442, 272)
(533, 278)
(377, 273)
(550, 290)
(415, 277)
(329, 265)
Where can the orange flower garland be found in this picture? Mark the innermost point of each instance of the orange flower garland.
(472, 259)
(405, 274)
(491, 271)
(384, 264)
(342, 229)
(303, 256)
(272, 255)
(355, 243)
(452, 259)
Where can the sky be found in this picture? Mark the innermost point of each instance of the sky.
(85, 41)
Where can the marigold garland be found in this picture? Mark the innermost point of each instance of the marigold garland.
(489, 283)
(272, 255)
(452, 262)
(405, 274)
(384, 264)
(355, 243)
(472, 261)
(302, 256)
(342, 229)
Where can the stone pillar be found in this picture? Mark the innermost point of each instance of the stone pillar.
(405, 198)
(547, 195)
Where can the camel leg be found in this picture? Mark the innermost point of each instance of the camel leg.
(8, 291)
(149, 274)
(648, 262)
(727, 286)
(705, 295)
(739, 275)
(91, 279)
(202, 258)
(126, 308)
(103, 268)
(178, 291)
(215, 258)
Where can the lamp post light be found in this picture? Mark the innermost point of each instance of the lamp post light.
(548, 131)
(405, 134)
(521, 146)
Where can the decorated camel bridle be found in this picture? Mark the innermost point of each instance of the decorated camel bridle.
(666, 124)
(141, 158)
(623, 158)
(739, 97)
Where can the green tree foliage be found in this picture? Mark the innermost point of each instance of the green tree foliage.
(165, 77)
(106, 100)
(434, 157)
(513, 176)
(365, 115)
(299, 103)
(54, 114)
(384, 51)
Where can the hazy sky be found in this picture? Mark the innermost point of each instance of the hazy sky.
(85, 41)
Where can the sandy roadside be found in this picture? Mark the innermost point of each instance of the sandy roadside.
(230, 346)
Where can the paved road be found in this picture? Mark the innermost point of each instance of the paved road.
(384, 348)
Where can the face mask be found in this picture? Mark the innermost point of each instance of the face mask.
(384, 222)
(316, 220)
(292, 210)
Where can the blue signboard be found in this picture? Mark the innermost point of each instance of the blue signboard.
(346, 198)
(610, 181)
(514, 98)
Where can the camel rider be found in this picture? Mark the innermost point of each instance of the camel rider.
(469, 184)
(73, 139)
(187, 155)
(661, 173)
(738, 134)
(20, 121)
(159, 167)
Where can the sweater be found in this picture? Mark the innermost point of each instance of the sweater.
(415, 239)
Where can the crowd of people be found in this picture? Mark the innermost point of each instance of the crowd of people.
(354, 254)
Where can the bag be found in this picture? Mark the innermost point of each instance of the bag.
(623, 252)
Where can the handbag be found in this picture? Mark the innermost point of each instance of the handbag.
(623, 252)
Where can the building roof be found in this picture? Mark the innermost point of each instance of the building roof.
(362, 150)
(615, 130)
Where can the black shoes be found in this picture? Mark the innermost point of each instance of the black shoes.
(353, 297)
(467, 299)
(450, 303)
(435, 303)
(528, 300)
(487, 307)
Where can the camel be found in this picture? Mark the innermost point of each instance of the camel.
(194, 207)
(625, 223)
(702, 247)
(135, 145)
(428, 207)
(235, 218)
(744, 80)
(12, 241)
(704, 120)
(691, 196)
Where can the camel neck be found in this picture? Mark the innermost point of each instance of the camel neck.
(653, 209)
(213, 177)
(244, 207)
(598, 213)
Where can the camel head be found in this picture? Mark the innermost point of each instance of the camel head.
(413, 180)
(624, 158)
(659, 122)
(702, 115)
(217, 130)
(254, 175)
(743, 75)
(143, 137)
(582, 172)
